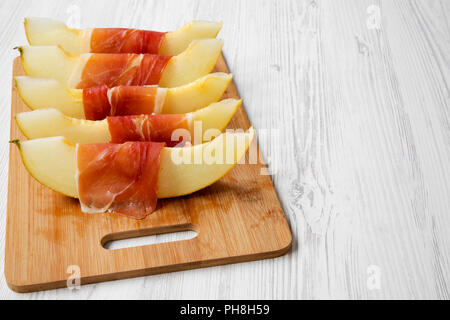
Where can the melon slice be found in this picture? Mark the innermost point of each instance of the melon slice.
(51, 122)
(39, 93)
(177, 41)
(45, 32)
(53, 62)
(52, 162)
(49, 32)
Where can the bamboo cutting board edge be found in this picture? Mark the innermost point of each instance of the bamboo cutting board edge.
(279, 247)
(150, 271)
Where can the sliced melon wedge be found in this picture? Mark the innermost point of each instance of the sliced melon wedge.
(51, 122)
(50, 62)
(39, 93)
(197, 94)
(177, 41)
(49, 32)
(52, 162)
(45, 32)
(197, 60)
(53, 62)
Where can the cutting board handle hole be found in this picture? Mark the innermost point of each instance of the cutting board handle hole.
(152, 236)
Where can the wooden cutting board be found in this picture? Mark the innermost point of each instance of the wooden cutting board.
(238, 218)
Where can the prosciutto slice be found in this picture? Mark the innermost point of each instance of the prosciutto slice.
(119, 178)
(100, 102)
(122, 69)
(158, 127)
(122, 40)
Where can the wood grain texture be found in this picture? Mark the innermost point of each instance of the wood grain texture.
(362, 170)
(238, 218)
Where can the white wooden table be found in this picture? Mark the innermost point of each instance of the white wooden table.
(357, 94)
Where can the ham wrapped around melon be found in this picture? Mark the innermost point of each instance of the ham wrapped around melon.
(119, 178)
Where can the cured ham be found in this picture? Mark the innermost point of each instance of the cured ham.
(122, 69)
(96, 103)
(122, 40)
(100, 102)
(119, 178)
(148, 128)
